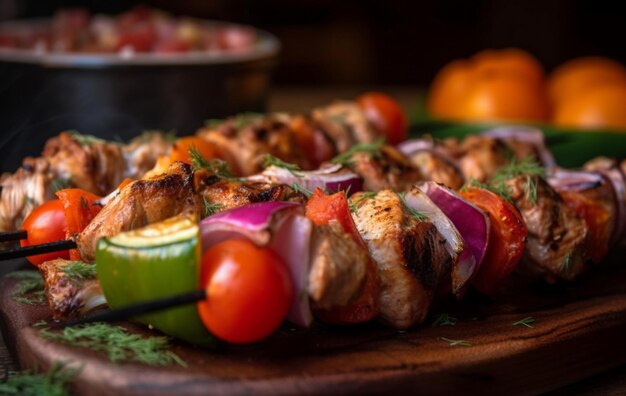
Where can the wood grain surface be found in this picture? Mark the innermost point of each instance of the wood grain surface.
(578, 332)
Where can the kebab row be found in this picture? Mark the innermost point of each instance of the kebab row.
(411, 250)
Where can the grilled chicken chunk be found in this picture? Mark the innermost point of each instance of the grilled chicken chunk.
(556, 247)
(385, 168)
(410, 255)
(178, 191)
(73, 160)
(338, 267)
(141, 203)
(437, 168)
(346, 124)
(591, 196)
(69, 297)
(246, 141)
(23, 191)
(479, 157)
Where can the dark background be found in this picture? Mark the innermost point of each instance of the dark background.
(394, 42)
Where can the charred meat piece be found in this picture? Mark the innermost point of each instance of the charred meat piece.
(23, 191)
(346, 124)
(246, 139)
(410, 255)
(591, 196)
(69, 297)
(479, 157)
(384, 168)
(437, 168)
(338, 267)
(143, 202)
(142, 153)
(557, 236)
(90, 163)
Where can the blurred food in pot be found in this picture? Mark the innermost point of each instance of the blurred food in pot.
(141, 29)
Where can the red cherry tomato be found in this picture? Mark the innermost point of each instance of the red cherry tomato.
(248, 288)
(507, 238)
(385, 114)
(45, 224)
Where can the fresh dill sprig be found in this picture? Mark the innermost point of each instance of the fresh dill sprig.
(566, 265)
(216, 166)
(527, 321)
(530, 189)
(444, 320)
(30, 288)
(355, 203)
(412, 211)
(117, 343)
(244, 119)
(52, 383)
(210, 208)
(298, 189)
(373, 149)
(213, 123)
(170, 136)
(452, 343)
(86, 140)
(41, 323)
(501, 188)
(77, 271)
(60, 183)
(526, 166)
(270, 160)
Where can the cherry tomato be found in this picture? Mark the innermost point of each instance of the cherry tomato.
(249, 291)
(45, 224)
(385, 114)
(507, 238)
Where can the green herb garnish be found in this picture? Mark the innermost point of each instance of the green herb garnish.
(210, 208)
(501, 189)
(86, 140)
(298, 189)
(52, 383)
(77, 271)
(213, 123)
(526, 166)
(527, 321)
(444, 320)
(412, 211)
(244, 119)
(117, 343)
(41, 323)
(60, 183)
(354, 204)
(456, 342)
(373, 149)
(170, 136)
(30, 288)
(566, 265)
(270, 160)
(215, 166)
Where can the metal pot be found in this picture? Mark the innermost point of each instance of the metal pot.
(116, 97)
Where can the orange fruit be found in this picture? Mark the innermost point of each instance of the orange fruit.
(505, 84)
(502, 97)
(602, 107)
(579, 76)
(511, 61)
(449, 88)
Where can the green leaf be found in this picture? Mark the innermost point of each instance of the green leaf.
(117, 343)
(527, 322)
(77, 271)
(373, 149)
(270, 160)
(27, 383)
(453, 343)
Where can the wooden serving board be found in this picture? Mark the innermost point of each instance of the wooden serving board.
(579, 330)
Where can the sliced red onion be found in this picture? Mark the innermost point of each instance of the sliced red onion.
(573, 180)
(471, 222)
(411, 146)
(618, 182)
(104, 200)
(528, 135)
(463, 261)
(331, 178)
(279, 225)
